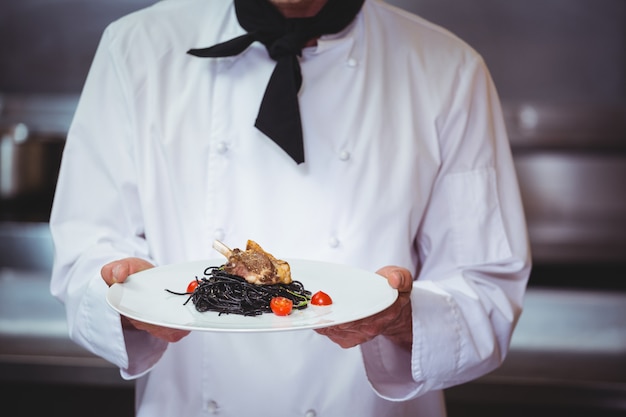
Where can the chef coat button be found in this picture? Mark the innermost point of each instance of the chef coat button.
(333, 242)
(352, 62)
(221, 147)
(212, 407)
(219, 234)
(344, 155)
(310, 413)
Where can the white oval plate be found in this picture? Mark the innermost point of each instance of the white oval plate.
(356, 294)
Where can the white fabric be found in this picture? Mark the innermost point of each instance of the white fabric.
(407, 164)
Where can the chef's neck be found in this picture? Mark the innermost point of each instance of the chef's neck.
(298, 8)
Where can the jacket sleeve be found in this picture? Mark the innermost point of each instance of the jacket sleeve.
(95, 217)
(473, 250)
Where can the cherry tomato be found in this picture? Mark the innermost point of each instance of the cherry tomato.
(281, 306)
(192, 286)
(320, 298)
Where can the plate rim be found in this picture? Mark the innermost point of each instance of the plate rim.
(116, 290)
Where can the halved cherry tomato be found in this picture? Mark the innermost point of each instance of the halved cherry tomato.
(320, 298)
(192, 286)
(281, 306)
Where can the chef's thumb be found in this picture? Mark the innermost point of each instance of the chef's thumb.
(397, 277)
(118, 271)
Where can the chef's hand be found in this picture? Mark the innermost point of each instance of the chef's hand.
(117, 272)
(395, 322)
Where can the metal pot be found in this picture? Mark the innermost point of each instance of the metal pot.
(27, 164)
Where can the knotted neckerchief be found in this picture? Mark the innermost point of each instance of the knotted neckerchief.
(284, 38)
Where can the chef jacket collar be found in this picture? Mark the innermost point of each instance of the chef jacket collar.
(325, 42)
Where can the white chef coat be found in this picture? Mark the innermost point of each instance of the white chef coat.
(407, 163)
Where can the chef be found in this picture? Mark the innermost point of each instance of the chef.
(344, 131)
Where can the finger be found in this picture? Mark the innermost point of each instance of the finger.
(118, 271)
(107, 272)
(398, 277)
(115, 272)
(165, 333)
(137, 265)
(343, 339)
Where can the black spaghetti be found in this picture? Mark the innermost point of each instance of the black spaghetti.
(231, 294)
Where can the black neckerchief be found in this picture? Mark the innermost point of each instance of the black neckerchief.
(284, 38)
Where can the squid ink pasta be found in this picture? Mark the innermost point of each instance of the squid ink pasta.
(226, 293)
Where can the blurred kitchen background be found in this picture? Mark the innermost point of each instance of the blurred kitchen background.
(560, 67)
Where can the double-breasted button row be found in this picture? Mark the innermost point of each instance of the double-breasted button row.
(333, 241)
(222, 148)
(213, 408)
